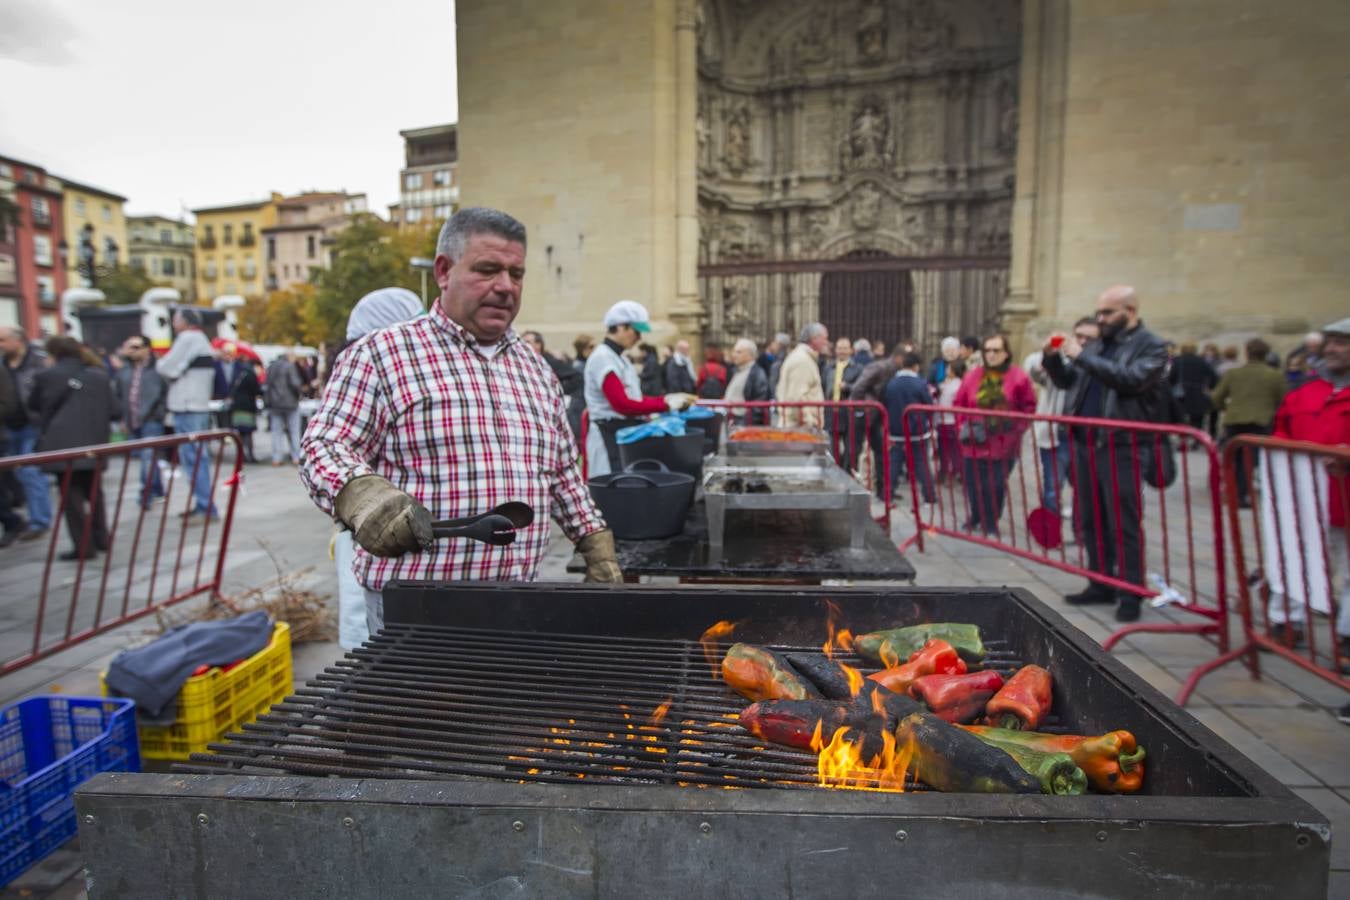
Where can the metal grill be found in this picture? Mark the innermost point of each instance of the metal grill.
(427, 702)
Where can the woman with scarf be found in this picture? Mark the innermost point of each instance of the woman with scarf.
(989, 445)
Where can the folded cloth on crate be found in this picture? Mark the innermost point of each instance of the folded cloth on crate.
(152, 675)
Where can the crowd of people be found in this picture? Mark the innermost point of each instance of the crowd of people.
(62, 394)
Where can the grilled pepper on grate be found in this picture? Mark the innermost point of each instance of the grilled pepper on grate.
(760, 674)
(957, 698)
(1112, 762)
(894, 644)
(830, 677)
(793, 723)
(1057, 772)
(1022, 703)
(949, 759)
(937, 657)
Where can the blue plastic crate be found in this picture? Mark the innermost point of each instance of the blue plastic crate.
(49, 746)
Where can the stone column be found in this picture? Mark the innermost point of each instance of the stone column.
(687, 312)
(1033, 278)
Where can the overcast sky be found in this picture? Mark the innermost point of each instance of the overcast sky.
(194, 103)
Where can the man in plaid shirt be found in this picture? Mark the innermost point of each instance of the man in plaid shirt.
(448, 415)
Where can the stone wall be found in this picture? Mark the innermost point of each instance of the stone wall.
(567, 121)
(1204, 161)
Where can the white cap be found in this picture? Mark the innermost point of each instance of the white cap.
(1339, 327)
(628, 312)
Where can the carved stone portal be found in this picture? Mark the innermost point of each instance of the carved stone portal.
(824, 127)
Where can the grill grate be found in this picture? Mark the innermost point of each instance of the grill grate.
(427, 702)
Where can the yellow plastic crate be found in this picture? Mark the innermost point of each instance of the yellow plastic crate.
(211, 704)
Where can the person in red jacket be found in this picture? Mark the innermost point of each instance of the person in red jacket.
(990, 445)
(1319, 412)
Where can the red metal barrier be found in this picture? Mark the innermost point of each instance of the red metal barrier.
(156, 578)
(1296, 531)
(853, 426)
(1179, 556)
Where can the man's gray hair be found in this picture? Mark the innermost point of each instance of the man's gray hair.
(862, 345)
(811, 332)
(191, 316)
(782, 338)
(457, 230)
(746, 344)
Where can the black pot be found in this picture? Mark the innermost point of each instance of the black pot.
(643, 505)
(680, 454)
(712, 432)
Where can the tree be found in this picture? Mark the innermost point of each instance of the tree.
(124, 285)
(369, 254)
(283, 317)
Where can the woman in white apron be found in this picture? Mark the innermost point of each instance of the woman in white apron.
(613, 388)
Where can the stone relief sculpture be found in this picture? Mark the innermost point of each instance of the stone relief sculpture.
(736, 316)
(736, 152)
(871, 31)
(815, 230)
(1005, 104)
(812, 43)
(868, 144)
(865, 206)
(928, 31)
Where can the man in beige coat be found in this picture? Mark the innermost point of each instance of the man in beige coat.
(799, 379)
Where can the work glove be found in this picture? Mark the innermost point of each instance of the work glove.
(677, 402)
(602, 564)
(383, 519)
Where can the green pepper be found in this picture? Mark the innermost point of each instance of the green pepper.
(892, 646)
(759, 674)
(1057, 772)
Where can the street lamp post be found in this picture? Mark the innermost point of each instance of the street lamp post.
(423, 265)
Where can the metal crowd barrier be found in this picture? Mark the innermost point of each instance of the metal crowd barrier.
(155, 555)
(1180, 557)
(1291, 553)
(856, 431)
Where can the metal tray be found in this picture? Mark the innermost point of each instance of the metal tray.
(791, 482)
(816, 447)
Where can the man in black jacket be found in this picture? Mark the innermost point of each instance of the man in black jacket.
(1119, 376)
(679, 371)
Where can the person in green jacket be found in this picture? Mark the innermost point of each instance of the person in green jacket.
(1248, 397)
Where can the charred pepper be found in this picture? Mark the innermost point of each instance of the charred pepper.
(1112, 762)
(760, 674)
(830, 677)
(949, 759)
(1022, 703)
(890, 646)
(957, 698)
(1057, 772)
(793, 723)
(937, 657)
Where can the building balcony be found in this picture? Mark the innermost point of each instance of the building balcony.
(247, 240)
(208, 243)
(209, 273)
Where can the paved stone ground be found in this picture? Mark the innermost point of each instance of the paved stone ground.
(1284, 722)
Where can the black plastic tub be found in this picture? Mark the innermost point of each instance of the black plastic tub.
(680, 454)
(644, 505)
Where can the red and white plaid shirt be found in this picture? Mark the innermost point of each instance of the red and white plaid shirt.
(459, 432)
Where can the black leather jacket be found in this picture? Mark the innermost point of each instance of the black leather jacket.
(1133, 385)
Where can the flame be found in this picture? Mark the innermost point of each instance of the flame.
(889, 658)
(839, 638)
(709, 641)
(855, 680)
(839, 764)
(660, 712)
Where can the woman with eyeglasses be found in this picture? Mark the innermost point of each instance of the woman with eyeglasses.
(989, 445)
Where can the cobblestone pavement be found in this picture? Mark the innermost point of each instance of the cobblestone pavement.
(1285, 722)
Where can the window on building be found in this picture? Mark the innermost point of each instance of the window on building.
(412, 214)
(250, 271)
(286, 271)
(79, 206)
(167, 266)
(441, 177)
(6, 171)
(412, 181)
(227, 233)
(42, 250)
(182, 267)
(309, 247)
(107, 213)
(46, 286)
(138, 264)
(231, 288)
(229, 268)
(271, 249)
(165, 236)
(42, 213)
(442, 211)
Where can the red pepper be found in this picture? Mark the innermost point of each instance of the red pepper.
(936, 657)
(957, 698)
(1022, 703)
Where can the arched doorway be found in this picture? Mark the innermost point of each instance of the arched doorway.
(871, 301)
